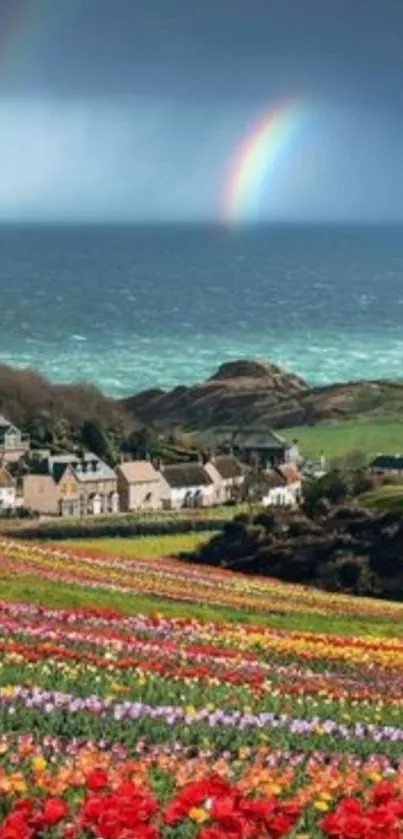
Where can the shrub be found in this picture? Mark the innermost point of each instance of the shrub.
(76, 529)
(350, 550)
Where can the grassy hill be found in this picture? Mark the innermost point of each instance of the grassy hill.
(338, 438)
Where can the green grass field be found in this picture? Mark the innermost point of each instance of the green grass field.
(338, 439)
(144, 546)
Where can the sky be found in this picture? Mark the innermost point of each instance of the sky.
(134, 110)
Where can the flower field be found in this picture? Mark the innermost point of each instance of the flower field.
(145, 726)
(183, 583)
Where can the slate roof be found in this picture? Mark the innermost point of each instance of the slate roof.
(388, 461)
(57, 465)
(103, 473)
(228, 466)
(55, 471)
(182, 475)
(271, 479)
(259, 440)
(87, 457)
(58, 471)
(138, 472)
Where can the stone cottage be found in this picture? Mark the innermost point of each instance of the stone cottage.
(139, 486)
(72, 485)
(228, 476)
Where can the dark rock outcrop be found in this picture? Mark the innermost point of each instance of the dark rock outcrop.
(240, 392)
(244, 393)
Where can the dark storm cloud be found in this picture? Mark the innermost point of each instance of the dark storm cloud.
(132, 108)
(233, 47)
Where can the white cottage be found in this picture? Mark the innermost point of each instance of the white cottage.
(281, 487)
(186, 485)
(228, 476)
(13, 444)
(293, 481)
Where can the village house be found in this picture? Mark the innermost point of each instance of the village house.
(228, 475)
(13, 444)
(8, 491)
(186, 485)
(52, 491)
(139, 486)
(281, 487)
(262, 448)
(387, 465)
(293, 482)
(69, 485)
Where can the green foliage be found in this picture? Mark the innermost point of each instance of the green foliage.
(332, 487)
(114, 527)
(352, 460)
(142, 443)
(348, 550)
(95, 439)
(141, 523)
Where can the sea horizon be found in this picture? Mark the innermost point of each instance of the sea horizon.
(133, 306)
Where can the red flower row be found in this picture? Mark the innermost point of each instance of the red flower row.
(381, 818)
(215, 808)
(130, 812)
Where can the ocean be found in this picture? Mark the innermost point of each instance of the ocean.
(131, 308)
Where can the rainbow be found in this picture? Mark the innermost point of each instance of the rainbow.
(255, 159)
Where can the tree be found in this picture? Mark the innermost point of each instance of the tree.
(332, 487)
(143, 443)
(95, 439)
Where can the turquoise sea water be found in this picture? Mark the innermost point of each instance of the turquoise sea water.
(137, 307)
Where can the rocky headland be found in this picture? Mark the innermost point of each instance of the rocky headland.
(245, 393)
(240, 394)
